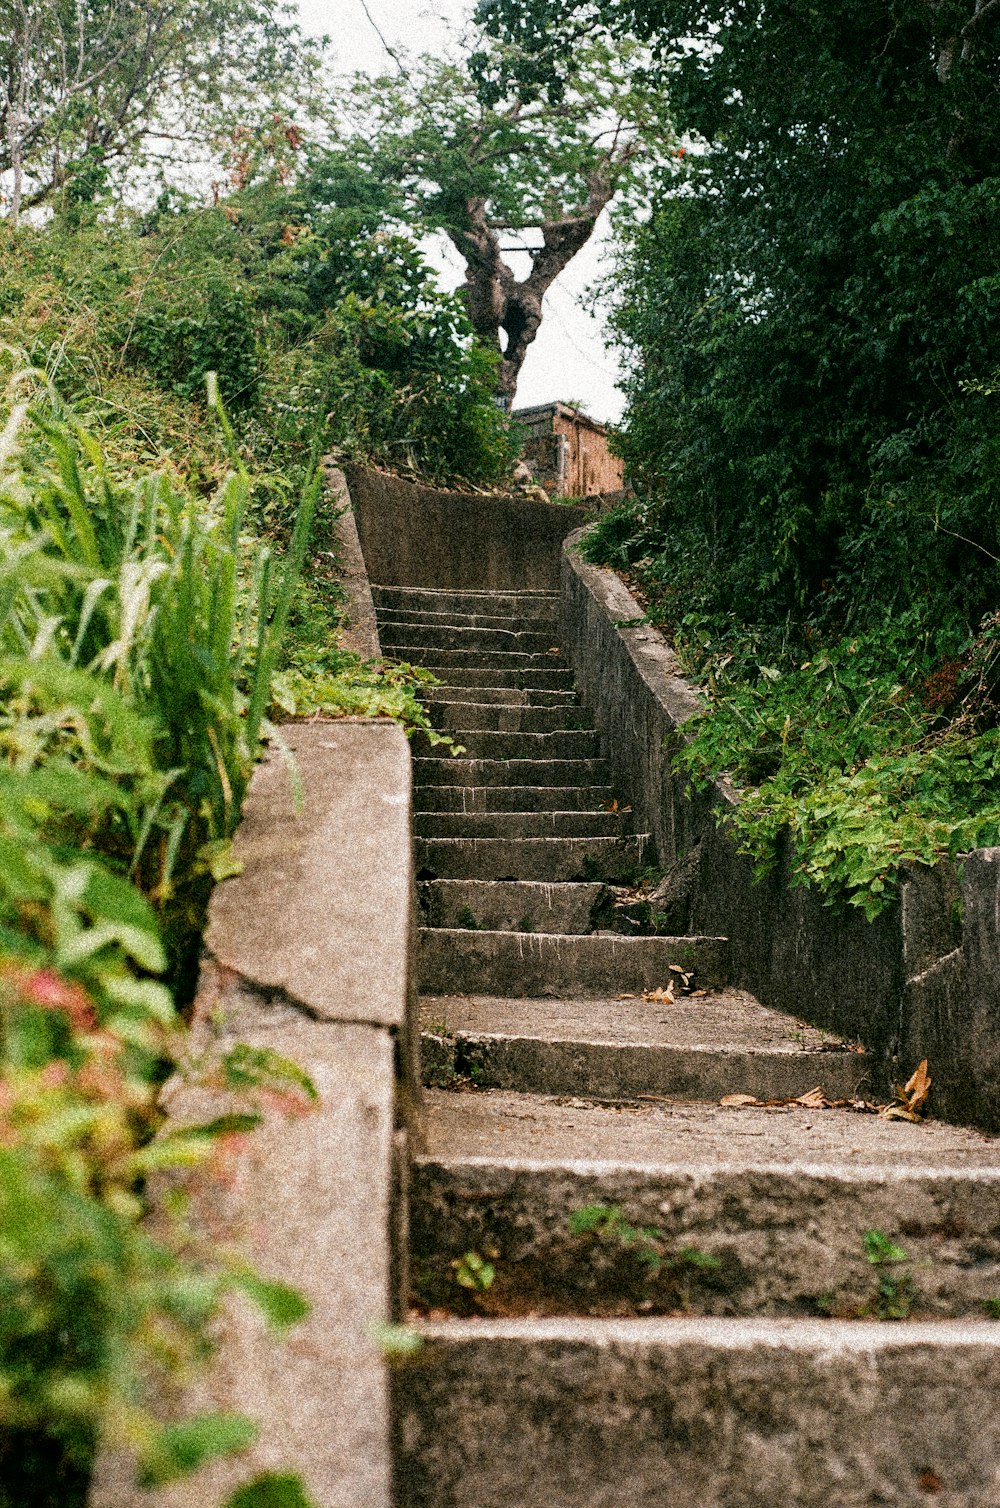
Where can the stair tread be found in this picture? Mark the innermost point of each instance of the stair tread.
(505, 1125)
(722, 1020)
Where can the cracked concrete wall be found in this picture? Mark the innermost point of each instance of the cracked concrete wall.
(909, 984)
(310, 952)
(413, 535)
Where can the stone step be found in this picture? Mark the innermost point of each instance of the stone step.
(507, 824)
(430, 599)
(456, 961)
(514, 798)
(491, 717)
(519, 622)
(699, 1413)
(547, 677)
(780, 1202)
(503, 696)
(508, 906)
(609, 1048)
(553, 859)
(452, 636)
(480, 743)
(437, 771)
(442, 663)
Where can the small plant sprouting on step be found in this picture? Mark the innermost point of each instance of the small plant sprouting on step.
(468, 921)
(896, 1291)
(992, 1307)
(473, 1272)
(645, 1245)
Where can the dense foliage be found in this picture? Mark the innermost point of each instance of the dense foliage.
(167, 595)
(811, 316)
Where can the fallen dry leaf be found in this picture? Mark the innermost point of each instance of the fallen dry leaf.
(626, 997)
(911, 1099)
(662, 997)
(698, 994)
(813, 1099)
(739, 1099)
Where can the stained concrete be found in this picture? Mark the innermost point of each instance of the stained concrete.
(511, 905)
(455, 961)
(427, 537)
(307, 1202)
(360, 634)
(551, 859)
(614, 1049)
(342, 869)
(700, 1414)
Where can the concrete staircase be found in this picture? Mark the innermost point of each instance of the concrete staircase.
(631, 1294)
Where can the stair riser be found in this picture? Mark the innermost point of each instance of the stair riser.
(519, 604)
(614, 1071)
(544, 678)
(546, 824)
(489, 717)
(452, 636)
(430, 771)
(517, 622)
(502, 696)
(444, 662)
(513, 798)
(505, 746)
(552, 859)
(698, 1415)
(508, 907)
(532, 964)
(788, 1241)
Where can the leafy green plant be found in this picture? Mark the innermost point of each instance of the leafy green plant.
(896, 1291)
(605, 1226)
(473, 1272)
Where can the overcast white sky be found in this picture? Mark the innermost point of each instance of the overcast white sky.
(568, 359)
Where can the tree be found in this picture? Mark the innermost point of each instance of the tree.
(485, 148)
(88, 89)
(814, 299)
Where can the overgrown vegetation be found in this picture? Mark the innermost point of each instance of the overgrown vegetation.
(168, 594)
(811, 318)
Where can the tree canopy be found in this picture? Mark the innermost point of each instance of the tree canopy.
(482, 147)
(813, 309)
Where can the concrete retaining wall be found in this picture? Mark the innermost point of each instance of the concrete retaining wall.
(413, 535)
(909, 985)
(309, 952)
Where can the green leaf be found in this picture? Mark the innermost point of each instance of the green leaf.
(182, 1448)
(271, 1490)
(282, 1305)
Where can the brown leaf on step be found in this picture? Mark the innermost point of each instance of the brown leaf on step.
(739, 1099)
(911, 1098)
(697, 994)
(813, 1099)
(626, 997)
(615, 807)
(929, 1481)
(662, 997)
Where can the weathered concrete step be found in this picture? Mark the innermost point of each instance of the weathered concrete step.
(480, 743)
(548, 677)
(700, 1413)
(503, 696)
(430, 771)
(443, 663)
(494, 618)
(552, 859)
(457, 961)
(453, 636)
(784, 1228)
(429, 599)
(492, 717)
(508, 906)
(607, 1048)
(507, 824)
(515, 798)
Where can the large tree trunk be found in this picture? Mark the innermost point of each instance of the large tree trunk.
(496, 301)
